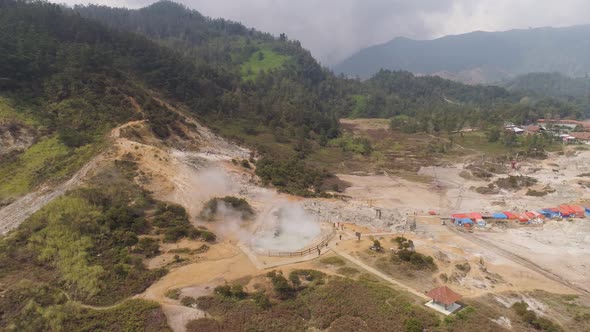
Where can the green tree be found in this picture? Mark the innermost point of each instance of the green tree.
(493, 134)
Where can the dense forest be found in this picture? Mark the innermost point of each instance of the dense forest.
(556, 85)
(432, 104)
(299, 95)
(303, 87)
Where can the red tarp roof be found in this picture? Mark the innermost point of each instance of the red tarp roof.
(577, 208)
(475, 216)
(511, 215)
(566, 208)
(459, 216)
(444, 295)
(530, 214)
(564, 211)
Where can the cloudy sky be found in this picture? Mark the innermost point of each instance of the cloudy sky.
(334, 29)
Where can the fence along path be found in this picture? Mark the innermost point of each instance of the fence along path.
(309, 250)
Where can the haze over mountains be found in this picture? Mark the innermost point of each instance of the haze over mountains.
(480, 57)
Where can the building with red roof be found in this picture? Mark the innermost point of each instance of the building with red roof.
(583, 136)
(444, 300)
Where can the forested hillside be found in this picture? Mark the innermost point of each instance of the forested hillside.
(480, 57)
(298, 84)
(551, 84)
(67, 79)
(432, 104)
(274, 81)
(70, 79)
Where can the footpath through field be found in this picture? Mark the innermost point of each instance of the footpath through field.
(377, 273)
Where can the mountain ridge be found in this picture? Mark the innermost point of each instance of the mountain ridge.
(503, 55)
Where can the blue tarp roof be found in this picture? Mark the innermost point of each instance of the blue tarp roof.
(499, 216)
(587, 210)
(462, 221)
(549, 213)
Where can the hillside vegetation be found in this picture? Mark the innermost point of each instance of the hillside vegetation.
(87, 246)
(556, 85)
(434, 105)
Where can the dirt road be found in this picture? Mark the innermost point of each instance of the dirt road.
(519, 260)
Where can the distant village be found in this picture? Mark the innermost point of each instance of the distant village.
(569, 131)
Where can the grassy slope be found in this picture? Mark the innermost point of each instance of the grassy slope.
(8, 114)
(272, 60)
(48, 159)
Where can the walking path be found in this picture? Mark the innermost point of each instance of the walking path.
(265, 262)
(378, 273)
(271, 262)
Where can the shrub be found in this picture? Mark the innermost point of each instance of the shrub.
(417, 259)
(520, 308)
(530, 317)
(237, 291)
(148, 246)
(188, 301)
(174, 219)
(413, 325)
(173, 293)
(377, 245)
(358, 145)
(536, 193)
(280, 285)
(294, 278)
(208, 236)
(174, 234)
(291, 176)
(211, 207)
(403, 243)
(224, 290)
(261, 300)
(465, 267)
